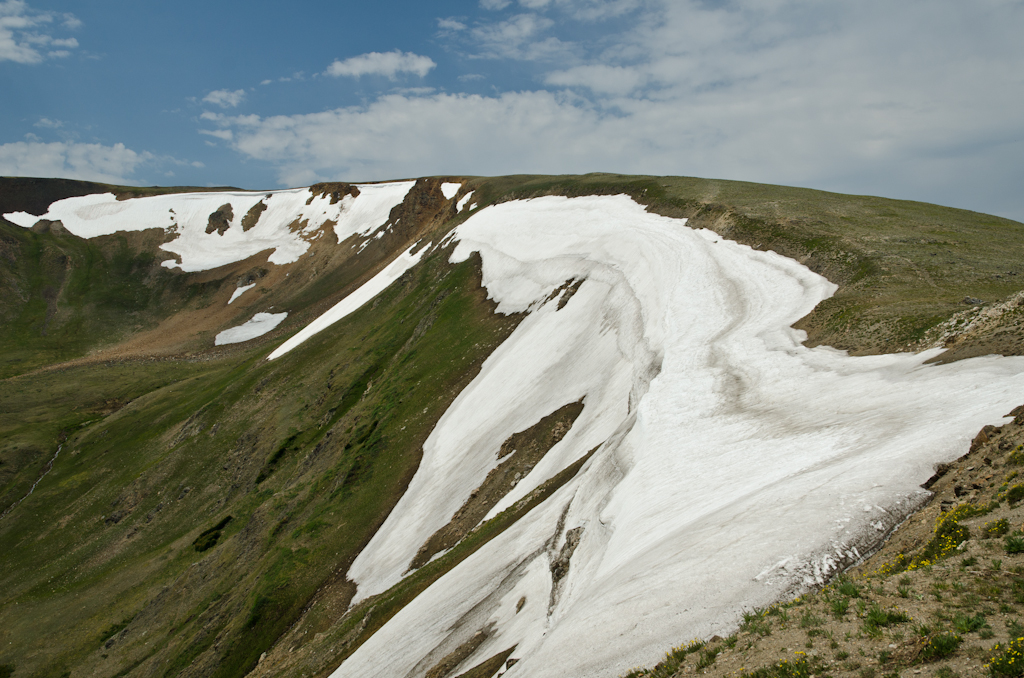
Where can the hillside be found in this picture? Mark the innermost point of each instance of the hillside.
(535, 419)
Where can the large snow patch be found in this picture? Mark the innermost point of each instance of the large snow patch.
(289, 220)
(738, 466)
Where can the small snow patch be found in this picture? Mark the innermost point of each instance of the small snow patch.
(463, 201)
(450, 190)
(260, 324)
(238, 292)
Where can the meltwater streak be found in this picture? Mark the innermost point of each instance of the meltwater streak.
(49, 467)
(737, 466)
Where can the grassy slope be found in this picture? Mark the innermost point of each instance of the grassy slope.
(101, 554)
(343, 418)
(64, 295)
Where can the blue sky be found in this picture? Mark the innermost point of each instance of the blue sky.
(921, 100)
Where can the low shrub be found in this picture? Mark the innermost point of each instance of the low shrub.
(877, 616)
(1007, 659)
(808, 620)
(707, 658)
(848, 589)
(941, 645)
(995, 528)
(840, 606)
(1015, 494)
(965, 624)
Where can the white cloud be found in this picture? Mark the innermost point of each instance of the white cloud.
(598, 78)
(90, 162)
(494, 4)
(598, 10)
(224, 134)
(388, 64)
(225, 98)
(520, 37)
(405, 136)
(413, 91)
(451, 25)
(20, 39)
(46, 123)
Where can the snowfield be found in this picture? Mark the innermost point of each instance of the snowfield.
(735, 465)
(288, 221)
(257, 326)
(366, 292)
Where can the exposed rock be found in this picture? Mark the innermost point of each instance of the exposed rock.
(560, 565)
(984, 436)
(47, 226)
(220, 220)
(251, 276)
(336, 189)
(253, 215)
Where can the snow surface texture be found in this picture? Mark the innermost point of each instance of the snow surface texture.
(286, 225)
(737, 465)
(260, 324)
(352, 302)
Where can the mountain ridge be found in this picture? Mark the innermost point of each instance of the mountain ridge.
(348, 414)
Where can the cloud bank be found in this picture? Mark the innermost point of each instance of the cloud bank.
(919, 100)
(388, 64)
(22, 38)
(88, 162)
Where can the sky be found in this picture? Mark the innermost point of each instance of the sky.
(916, 100)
